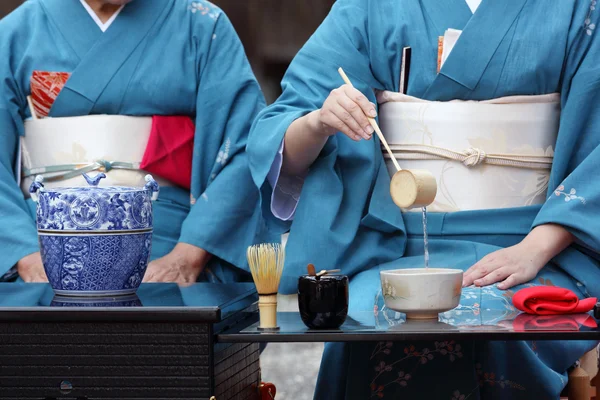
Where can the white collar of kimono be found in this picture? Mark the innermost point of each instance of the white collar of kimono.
(473, 4)
(102, 25)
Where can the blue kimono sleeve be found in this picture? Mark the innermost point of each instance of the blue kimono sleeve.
(18, 234)
(574, 192)
(340, 41)
(226, 215)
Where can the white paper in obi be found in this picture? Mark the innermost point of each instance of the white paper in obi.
(519, 125)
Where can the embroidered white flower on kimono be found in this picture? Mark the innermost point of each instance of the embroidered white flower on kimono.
(224, 154)
(572, 195)
(204, 8)
(589, 27)
(222, 157)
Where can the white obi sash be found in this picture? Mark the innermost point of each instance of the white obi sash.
(484, 155)
(62, 149)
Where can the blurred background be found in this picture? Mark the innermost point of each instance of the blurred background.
(272, 32)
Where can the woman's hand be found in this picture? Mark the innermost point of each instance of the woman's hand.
(31, 269)
(520, 263)
(182, 265)
(345, 110)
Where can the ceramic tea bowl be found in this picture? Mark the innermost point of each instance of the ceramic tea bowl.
(94, 241)
(421, 293)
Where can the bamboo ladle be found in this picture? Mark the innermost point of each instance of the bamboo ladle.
(409, 188)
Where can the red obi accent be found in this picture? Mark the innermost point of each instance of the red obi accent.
(170, 149)
(546, 300)
(45, 87)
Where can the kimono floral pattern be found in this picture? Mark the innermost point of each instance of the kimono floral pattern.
(571, 195)
(204, 8)
(223, 155)
(588, 25)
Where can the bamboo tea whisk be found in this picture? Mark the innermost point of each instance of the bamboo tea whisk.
(266, 266)
(409, 189)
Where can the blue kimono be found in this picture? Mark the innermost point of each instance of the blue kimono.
(345, 217)
(159, 57)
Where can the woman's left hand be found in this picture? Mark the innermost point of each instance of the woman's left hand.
(511, 266)
(182, 265)
(522, 262)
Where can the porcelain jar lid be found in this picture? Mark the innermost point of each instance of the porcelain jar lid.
(94, 208)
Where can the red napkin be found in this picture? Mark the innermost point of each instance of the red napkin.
(45, 87)
(549, 300)
(170, 149)
(527, 322)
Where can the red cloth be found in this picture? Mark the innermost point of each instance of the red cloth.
(45, 87)
(528, 322)
(170, 149)
(549, 300)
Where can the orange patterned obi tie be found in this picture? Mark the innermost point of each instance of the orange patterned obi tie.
(45, 87)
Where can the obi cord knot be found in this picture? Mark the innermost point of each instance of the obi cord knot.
(474, 157)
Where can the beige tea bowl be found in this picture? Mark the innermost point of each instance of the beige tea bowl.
(421, 293)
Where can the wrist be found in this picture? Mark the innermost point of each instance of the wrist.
(29, 260)
(191, 255)
(547, 241)
(316, 127)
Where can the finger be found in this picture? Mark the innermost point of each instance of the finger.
(347, 119)
(493, 277)
(512, 280)
(474, 267)
(357, 97)
(330, 119)
(473, 273)
(481, 269)
(360, 120)
(148, 277)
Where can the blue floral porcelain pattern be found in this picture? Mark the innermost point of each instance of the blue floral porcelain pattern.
(94, 209)
(96, 263)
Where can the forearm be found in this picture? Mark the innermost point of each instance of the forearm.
(304, 140)
(547, 241)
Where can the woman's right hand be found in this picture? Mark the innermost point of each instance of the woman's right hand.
(31, 269)
(345, 110)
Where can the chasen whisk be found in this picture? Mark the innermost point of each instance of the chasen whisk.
(266, 265)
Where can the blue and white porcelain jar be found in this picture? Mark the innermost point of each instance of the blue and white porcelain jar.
(95, 241)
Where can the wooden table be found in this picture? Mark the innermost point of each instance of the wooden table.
(158, 345)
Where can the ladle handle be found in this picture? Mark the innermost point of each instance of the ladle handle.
(373, 124)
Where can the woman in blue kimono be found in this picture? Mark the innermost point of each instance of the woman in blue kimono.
(315, 147)
(140, 58)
